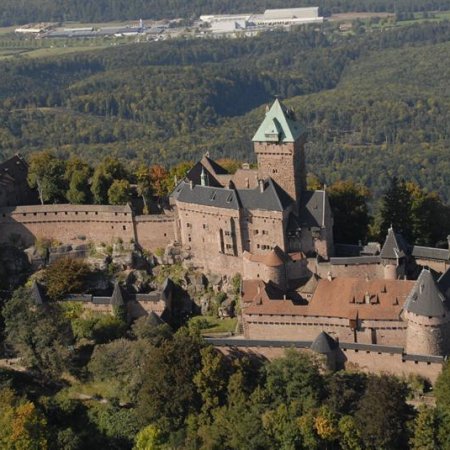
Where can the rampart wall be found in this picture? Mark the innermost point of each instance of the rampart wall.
(367, 358)
(285, 327)
(80, 223)
(371, 271)
(438, 266)
(154, 231)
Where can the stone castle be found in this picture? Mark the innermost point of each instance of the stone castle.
(383, 307)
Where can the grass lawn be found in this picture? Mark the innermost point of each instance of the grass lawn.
(214, 325)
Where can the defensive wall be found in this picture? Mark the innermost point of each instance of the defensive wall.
(290, 328)
(365, 357)
(81, 223)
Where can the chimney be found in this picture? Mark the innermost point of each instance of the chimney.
(329, 276)
(203, 177)
(261, 186)
(191, 184)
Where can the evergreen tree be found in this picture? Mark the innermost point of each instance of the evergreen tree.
(396, 210)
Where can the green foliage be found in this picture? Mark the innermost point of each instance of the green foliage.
(99, 328)
(105, 174)
(168, 374)
(149, 438)
(425, 430)
(40, 335)
(117, 424)
(349, 203)
(119, 192)
(383, 413)
(396, 210)
(78, 175)
(22, 426)
(45, 173)
(65, 276)
(294, 380)
(146, 328)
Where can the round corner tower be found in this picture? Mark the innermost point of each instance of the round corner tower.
(428, 317)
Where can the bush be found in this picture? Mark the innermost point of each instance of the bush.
(99, 328)
(65, 276)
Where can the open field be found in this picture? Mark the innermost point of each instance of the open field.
(346, 17)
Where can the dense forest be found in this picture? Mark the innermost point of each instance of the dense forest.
(374, 104)
(12, 12)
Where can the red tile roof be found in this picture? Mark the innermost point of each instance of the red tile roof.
(341, 297)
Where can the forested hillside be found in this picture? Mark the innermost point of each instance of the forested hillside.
(374, 104)
(12, 11)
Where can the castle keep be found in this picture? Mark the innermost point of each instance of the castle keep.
(233, 223)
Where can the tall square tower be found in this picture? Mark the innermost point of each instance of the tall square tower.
(279, 147)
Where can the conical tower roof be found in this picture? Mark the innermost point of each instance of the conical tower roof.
(279, 125)
(394, 246)
(117, 298)
(37, 293)
(426, 298)
(154, 320)
(324, 344)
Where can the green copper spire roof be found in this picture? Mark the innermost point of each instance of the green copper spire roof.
(279, 125)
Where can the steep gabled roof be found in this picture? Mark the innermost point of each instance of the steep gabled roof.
(279, 125)
(207, 196)
(313, 208)
(426, 298)
(439, 254)
(394, 246)
(117, 298)
(37, 293)
(167, 289)
(154, 320)
(213, 166)
(324, 344)
(195, 172)
(272, 198)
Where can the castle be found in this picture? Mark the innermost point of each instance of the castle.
(243, 223)
(381, 307)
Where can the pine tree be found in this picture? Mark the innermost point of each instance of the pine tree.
(396, 210)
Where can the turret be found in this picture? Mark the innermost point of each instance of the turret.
(393, 255)
(428, 315)
(325, 345)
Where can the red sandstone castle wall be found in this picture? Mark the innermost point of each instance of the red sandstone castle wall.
(438, 266)
(154, 231)
(303, 328)
(367, 361)
(78, 223)
(372, 271)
